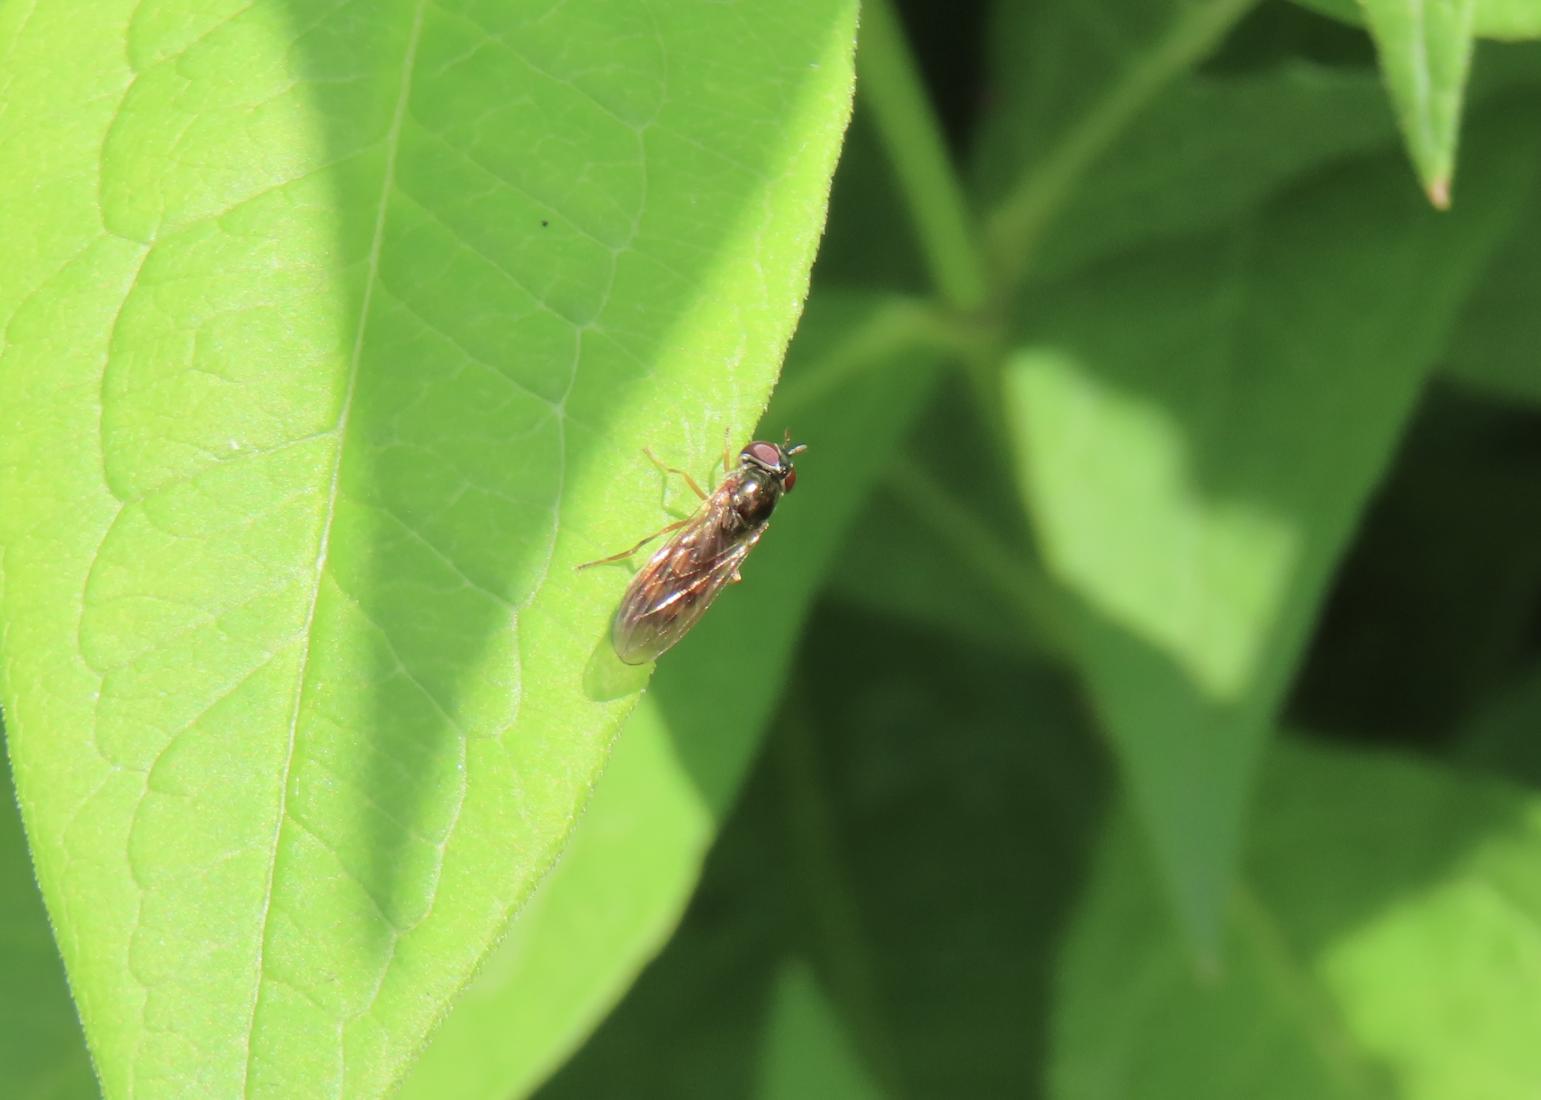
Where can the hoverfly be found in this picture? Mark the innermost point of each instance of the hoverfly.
(673, 590)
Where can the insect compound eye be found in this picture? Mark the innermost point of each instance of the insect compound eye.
(764, 454)
(788, 482)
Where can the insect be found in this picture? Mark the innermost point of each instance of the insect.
(673, 590)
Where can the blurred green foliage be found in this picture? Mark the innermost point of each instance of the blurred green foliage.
(1138, 696)
(1211, 409)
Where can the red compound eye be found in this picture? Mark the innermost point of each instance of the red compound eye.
(790, 480)
(766, 454)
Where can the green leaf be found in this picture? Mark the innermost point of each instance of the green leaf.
(907, 839)
(1216, 141)
(807, 1052)
(1494, 346)
(942, 590)
(41, 1046)
(1425, 51)
(702, 1002)
(1504, 19)
(1385, 943)
(1509, 19)
(1233, 156)
(1435, 605)
(633, 860)
(901, 113)
(1501, 736)
(954, 551)
(575, 945)
(330, 342)
(1197, 429)
(1069, 78)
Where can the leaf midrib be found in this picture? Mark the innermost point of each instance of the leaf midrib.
(302, 679)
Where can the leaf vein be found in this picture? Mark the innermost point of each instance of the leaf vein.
(392, 146)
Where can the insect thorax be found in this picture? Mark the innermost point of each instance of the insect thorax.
(755, 496)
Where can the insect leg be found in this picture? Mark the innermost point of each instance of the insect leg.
(629, 551)
(727, 467)
(675, 470)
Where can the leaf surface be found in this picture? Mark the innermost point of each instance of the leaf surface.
(1243, 138)
(1425, 51)
(1197, 428)
(634, 859)
(1493, 347)
(331, 337)
(807, 1052)
(907, 838)
(1381, 946)
(1069, 78)
(1504, 19)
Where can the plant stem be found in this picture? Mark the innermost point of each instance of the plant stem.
(895, 326)
(1019, 581)
(891, 88)
(1017, 222)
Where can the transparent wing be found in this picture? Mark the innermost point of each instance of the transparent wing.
(674, 589)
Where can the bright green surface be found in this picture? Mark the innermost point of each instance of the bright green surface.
(331, 339)
(1507, 19)
(1383, 943)
(1425, 50)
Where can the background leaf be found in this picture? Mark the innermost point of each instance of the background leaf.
(1425, 51)
(40, 1042)
(1431, 611)
(1501, 736)
(806, 1051)
(1232, 160)
(1380, 946)
(1492, 349)
(1068, 79)
(1506, 19)
(330, 339)
(1195, 469)
(931, 932)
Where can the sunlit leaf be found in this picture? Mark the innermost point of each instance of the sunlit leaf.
(331, 337)
(1505, 19)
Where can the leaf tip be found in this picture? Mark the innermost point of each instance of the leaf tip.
(1439, 192)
